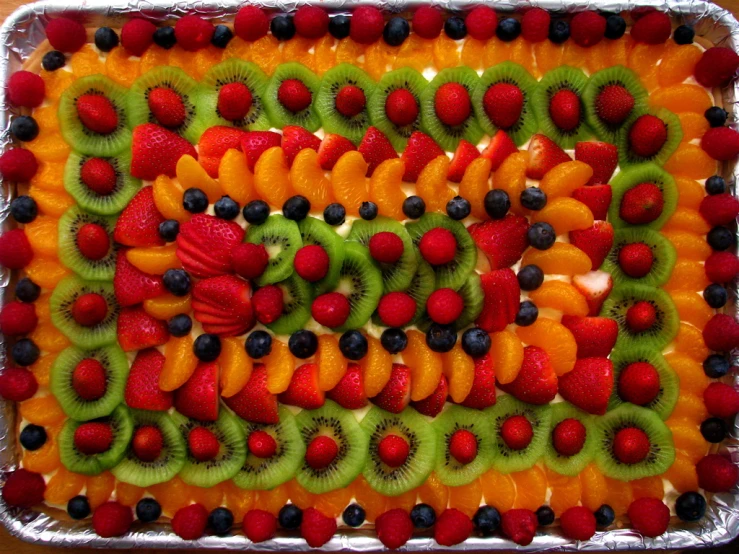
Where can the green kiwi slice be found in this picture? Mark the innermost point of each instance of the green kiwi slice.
(474, 298)
(669, 382)
(662, 250)
(281, 237)
(62, 299)
(415, 430)
(628, 178)
(297, 295)
(562, 78)
(404, 78)
(234, 70)
(513, 74)
(135, 471)
(332, 82)
(617, 75)
(314, 231)
(421, 287)
(570, 465)
(278, 114)
(456, 418)
(661, 452)
(121, 423)
(667, 319)
(627, 157)
(453, 274)
(230, 458)
(332, 421)
(81, 138)
(69, 253)
(267, 473)
(448, 136)
(506, 459)
(125, 189)
(361, 282)
(115, 364)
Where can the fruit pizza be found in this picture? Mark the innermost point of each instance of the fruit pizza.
(428, 274)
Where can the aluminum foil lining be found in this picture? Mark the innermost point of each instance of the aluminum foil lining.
(24, 30)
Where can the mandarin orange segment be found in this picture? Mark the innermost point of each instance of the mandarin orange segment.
(235, 177)
(681, 98)
(166, 306)
(280, 366)
(265, 52)
(682, 474)
(349, 183)
(42, 369)
(179, 363)
(564, 178)
(100, 488)
(155, 260)
(205, 58)
(445, 52)
(694, 125)
(473, 52)
(414, 52)
(594, 487)
(49, 147)
(171, 495)
(309, 179)
(689, 246)
(689, 407)
(404, 501)
(300, 49)
(432, 185)
(687, 439)
(331, 362)
(648, 487)
(86, 61)
(238, 48)
(531, 488)
(374, 503)
(385, 188)
(574, 54)
(43, 306)
(459, 369)
(51, 202)
(561, 296)
(42, 410)
(565, 215)
(556, 339)
(692, 377)
(687, 219)
(45, 459)
(50, 176)
(48, 338)
(63, 486)
(511, 178)
(46, 118)
(325, 54)
(678, 64)
(475, 185)
(153, 57)
(689, 340)
(128, 494)
(499, 490)
(238, 500)
(434, 493)
(562, 258)
(496, 51)
(56, 82)
(597, 57)
(348, 51)
(548, 55)
(522, 53)
(692, 308)
(506, 351)
(331, 504)
(272, 177)
(299, 495)
(566, 491)
(466, 498)
(377, 367)
(272, 500)
(619, 496)
(168, 199)
(425, 364)
(191, 174)
(379, 59)
(43, 234)
(690, 193)
(46, 273)
(690, 160)
(642, 60)
(235, 366)
(179, 57)
(210, 497)
(122, 69)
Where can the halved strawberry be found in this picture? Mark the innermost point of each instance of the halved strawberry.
(595, 336)
(501, 146)
(589, 385)
(396, 394)
(596, 241)
(198, 398)
(349, 392)
(155, 151)
(294, 139)
(133, 286)
(375, 148)
(503, 240)
(482, 394)
(138, 224)
(596, 197)
(595, 286)
(331, 149)
(214, 143)
(303, 390)
(419, 151)
(464, 155)
(223, 305)
(204, 245)
(536, 382)
(254, 402)
(601, 156)
(138, 330)
(254, 143)
(502, 299)
(433, 404)
(544, 154)
(142, 385)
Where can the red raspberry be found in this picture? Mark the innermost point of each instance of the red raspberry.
(137, 35)
(189, 522)
(393, 450)
(316, 528)
(259, 526)
(97, 113)
(18, 318)
(716, 473)
(234, 101)
(427, 22)
(653, 28)
(89, 380)
(452, 527)
(564, 109)
(631, 445)
(311, 263)
(641, 204)
(261, 444)
(394, 528)
(321, 451)
(649, 516)
(519, 525)
(716, 67)
(112, 519)
(587, 28)
(386, 247)
(331, 309)
(193, 32)
(438, 246)
(311, 21)
(639, 383)
(721, 333)
(719, 209)
(17, 384)
(93, 437)
(635, 259)
(721, 143)
(203, 444)
(26, 89)
(647, 135)
(578, 523)
(147, 443)
(93, 241)
(66, 35)
(15, 250)
(722, 267)
(249, 260)
(721, 400)
(18, 165)
(251, 23)
(99, 176)
(517, 432)
(614, 104)
(641, 316)
(481, 22)
(89, 309)
(568, 437)
(535, 25)
(367, 24)
(463, 446)
(167, 107)
(267, 303)
(350, 101)
(444, 306)
(294, 95)
(452, 104)
(24, 489)
(401, 107)
(396, 309)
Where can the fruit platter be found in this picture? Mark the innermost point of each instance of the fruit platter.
(388, 276)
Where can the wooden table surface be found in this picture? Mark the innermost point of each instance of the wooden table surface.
(9, 544)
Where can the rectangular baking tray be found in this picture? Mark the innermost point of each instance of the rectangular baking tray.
(19, 36)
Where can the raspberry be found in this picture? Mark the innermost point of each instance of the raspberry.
(311, 22)
(641, 316)
(393, 450)
(444, 306)
(93, 438)
(311, 263)
(203, 444)
(716, 473)
(251, 23)
(568, 437)
(189, 522)
(93, 241)
(647, 135)
(137, 35)
(641, 204)
(719, 209)
(147, 443)
(722, 267)
(249, 260)
(721, 143)
(261, 444)
(267, 303)
(481, 23)
(321, 451)
(721, 400)
(452, 527)
(503, 103)
(331, 309)
(452, 104)
(112, 519)
(66, 35)
(350, 101)
(258, 525)
(167, 107)
(438, 246)
(367, 24)
(18, 165)
(234, 101)
(294, 95)
(89, 309)
(639, 383)
(17, 384)
(587, 28)
(463, 446)
(631, 445)
(401, 107)
(721, 333)
(396, 309)
(97, 113)
(635, 259)
(193, 32)
(26, 89)
(578, 523)
(24, 489)
(99, 176)
(15, 250)
(519, 525)
(517, 432)
(18, 318)
(89, 379)
(427, 22)
(394, 528)
(535, 25)
(649, 516)
(614, 104)
(386, 247)
(653, 28)
(716, 67)
(316, 528)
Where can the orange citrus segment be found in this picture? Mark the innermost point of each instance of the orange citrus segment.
(688, 440)
(349, 182)
(235, 366)
(308, 178)
(434, 493)
(179, 363)
(42, 369)
(42, 410)
(688, 246)
(120, 67)
(272, 177)
(690, 160)
(475, 185)
(373, 502)
(238, 500)
(466, 498)
(425, 364)
(681, 98)
(694, 125)
(209, 497)
(100, 488)
(168, 199)
(43, 234)
(648, 487)
(692, 377)
(690, 192)
(46, 273)
(561, 296)
(155, 260)
(86, 61)
(507, 352)
(562, 258)
(682, 474)
(171, 495)
(556, 340)
(377, 366)
(531, 488)
(692, 308)
(432, 186)
(689, 407)
(594, 487)
(273, 500)
(459, 369)
(499, 490)
(235, 177)
(191, 174)
(566, 491)
(166, 306)
(472, 53)
(51, 202)
(348, 51)
(331, 504)
(687, 219)
(63, 486)
(564, 178)
(619, 496)
(511, 178)
(280, 366)
(385, 188)
(678, 64)
(445, 52)
(48, 338)
(331, 362)
(689, 340)
(565, 215)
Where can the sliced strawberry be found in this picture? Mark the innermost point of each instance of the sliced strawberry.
(501, 146)
(433, 404)
(254, 144)
(254, 402)
(503, 240)
(464, 155)
(303, 390)
(214, 143)
(595, 336)
(138, 330)
(501, 302)
(482, 394)
(133, 286)
(503, 103)
(349, 392)
(536, 382)
(198, 397)
(601, 156)
(596, 242)
(331, 149)
(295, 139)
(229, 298)
(142, 386)
(597, 198)
(420, 150)
(589, 385)
(155, 151)
(396, 394)
(138, 224)
(375, 149)
(544, 154)
(595, 286)
(204, 245)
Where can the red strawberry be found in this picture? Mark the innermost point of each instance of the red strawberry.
(716, 67)
(564, 109)
(721, 143)
(635, 259)
(595, 336)
(613, 105)
(214, 143)
(464, 155)
(536, 382)
(89, 379)
(97, 113)
(331, 149)
(138, 224)
(222, 303)
(501, 146)
(375, 149)
(587, 28)
(641, 204)
(452, 104)
(99, 176)
(432, 405)
(349, 392)
(167, 107)
(254, 143)
(653, 28)
(198, 397)
(647, 135)
(303, 390)
(589, 385)
(482, 394)
(254, 402)
(142, 386)
(268, 303)
(601, 156)
(503, 103)
(544, 154)
(535, 25)
(503, 240)
(719, 209)
(597, 198)
(421, 149)
(234, 101)
(155, 151)
(294, 139)
(204, 245)
(596, 242)
(93, 437)
(638, 383)
(138, 330)
(396, 394)
(316, 528)
(133, 286)
(147, 442)
(501, 302)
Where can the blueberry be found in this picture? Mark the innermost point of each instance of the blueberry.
(716, 366)
(303, 344)
(441, 338)
(508, 29)
(414, 207)
(720, 238)
(486, 520)
(148, 510)
(222, 35)
(559, 31)
(353, 515)
(368, 210)
(180, 325)
(353, 345)
(220, 521)
(545, 516)
(615, 27)
(256, 212)
(334, 214)
(207, 347)
(458, 208)
(169, 230)
(715, 296)
(497, 203)
(339, 26)
(78, 507)
(258, 344)
(33, 437)
(714, 430)
(475, 342)
(683, 35)
(296, 208)
(455, 28)
(690, 506)
(24, 128)
(23, 209)
(716, 116)
(533, 198)
(716, 185)
(396, 31)
(53, 60)
(24, 352)
(423, 516)
(541, 236)
(195, 201)
(527, 313)
(26, 290)
(530, 277)
(290, 516)
(165, 37)
(106, 39)
(177, 281)
(226, 208)
(394, 340)
(604, 516)
(283, 27)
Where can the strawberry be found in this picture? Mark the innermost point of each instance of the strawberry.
(349, 391)
(503, 103)
(719, 209)
(482, 394)
(331, 149)
(452, 104)
(597, 198)
(716, 67)
(503, 240)
(167, 107)
(198, 397)
(564, 109)
(613, 105)
(234, 101)
(214, 143)
(204, 245)
(93, 437)
(721, 143)
(138, 224)
(138, 330)
(396, 394)
(142, 386)
(303, 390)
(155, 151)
(254, 143)
(589, 385)
(544, 154)
(653, 28)
(294, 139)
(97, 113)
(595, 286)
(635, 259)
(641, 204)
(596, 241)
(254, 402)
(501, 302)
(601, 156)
(501, 146)
(464, 155)
(647, 135)
(375, 149)
(223, 305)
(595, 336)
(536, 382)
(133, 286)
(421, 149)
(147, 443)
(433, 404)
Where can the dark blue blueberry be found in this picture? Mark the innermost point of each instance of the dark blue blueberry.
(164, 37)
(106, 39)
(23, 209)
(475, 342)
(169, 230)
(394, 340)
(207, 347)
(283, 27)
(533, 198)
(716, 116)
(290, 516)
(195, 201)
(508, 29)
(715, 296)
(258, 344)
(303, 344)
(423, 516)
(604, 516)
(458, 208)
(220, 521)
(683, 35)
(180, 325)
(78, 507)
(714, 430)
(720, 238)
(396, 31)
(24, 352)
(690, 506)
(148, 510)
(716, 185)
(527, 313)
(530, 277)
(414, 207)
(615, 27)
(545, 516)
(716, 366)
(559, 31)
(486, 520)
(353, 515)
(296, 208)
(353, 345)
(541, 235)
(26, 290)
(334, 214)
(177, 281)
(256, 212)
(441, 338)
(222, 35)
(497, 203)
(24, 128)
(33, 437)
(368, 210)
(53, 60)
(226, 208)
(455, 28)
(339, 26)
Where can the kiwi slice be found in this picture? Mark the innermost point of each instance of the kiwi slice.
(474, 298)
(562, 78)
(669, 382)
(506, 459)
(619, 76)
(126, 186)
(421, 287)
(415, 430)
(456, 418)
(230, 458)
(115, 364)
(404, 78)
(121, 423)
(353, 442)
(629, 177)
(281, 237)
(278, 114)
(513, 74)
(135, 471)
(662, 250)
(661, 452)
(84, 140)
(336, 78)
(667, 319)
(179, 82)
(361, 282)
(448, 136)
(267, 473)
(396, 276)
(627, 157)
(69, 253)
(234, 70)
(454, 274)
(62, 299)
(315, 231)
(570, 465)
(297, 296)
